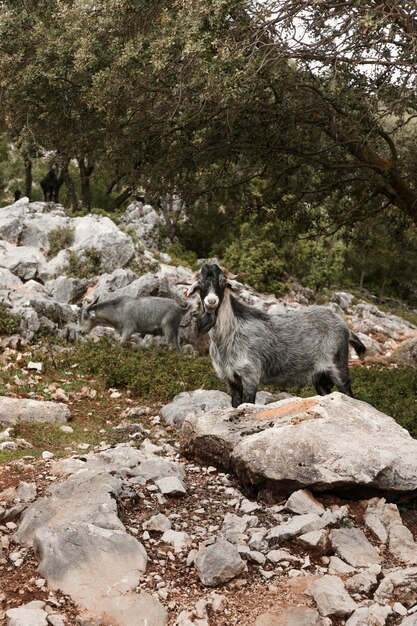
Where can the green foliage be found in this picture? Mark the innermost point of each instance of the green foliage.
(9, 322)
(83, 263)
(181, 256)
(271, 252)
(392, 391)
(151, 374)
(59, 239)
(254, 252)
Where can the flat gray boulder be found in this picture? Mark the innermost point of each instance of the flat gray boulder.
(193, 402)
(13, 410)
(321, 443)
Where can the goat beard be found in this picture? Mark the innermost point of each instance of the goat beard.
(206, 322)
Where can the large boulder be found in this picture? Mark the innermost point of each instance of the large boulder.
(13, 410)
(320, 443)
(144, 222)
(24, 261)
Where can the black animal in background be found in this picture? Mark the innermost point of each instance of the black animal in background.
(17, 195)
(50, 185)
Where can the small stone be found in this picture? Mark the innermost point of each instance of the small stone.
(46, 455)
(158, 523)
(218, 563)
(171, 486)
(66, 429)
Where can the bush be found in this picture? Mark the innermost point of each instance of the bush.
(153, 374)
(83, 263)
(9, 322)
(390, 390)
(59, 239)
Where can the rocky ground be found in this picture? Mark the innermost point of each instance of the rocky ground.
(213, 556)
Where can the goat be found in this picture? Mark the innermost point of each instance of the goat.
(249, 347)
(127, 315)
(49, 184)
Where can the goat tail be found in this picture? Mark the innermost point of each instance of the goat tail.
(357, 344)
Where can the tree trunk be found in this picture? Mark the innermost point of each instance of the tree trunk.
(122, 197)
(28, 176)
(362, 278)
(85, 172)
(69, 183)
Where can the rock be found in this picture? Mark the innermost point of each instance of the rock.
(351, 545)
(87, 497)
(171, 486)
(67, 290)
(363, 582)
(27, 615)
(411, 620)
(56, 620)
(398, 586)
(301, 616)
(13, 410)
(349, 444)
(156, 469)
(406, 353)
(277, 556)
(337, 566)
(298, 525)
(179, 540)
(331, 597)
(26, 492)
(140, 609)
(144, 222)
(195, 403)
(234, 526)
(317, 540)
(112, 562)
(303, 501)
(343, 299)
(218, 563)
(158, 523)
(385, 521)
(374, 615)
(23, 261)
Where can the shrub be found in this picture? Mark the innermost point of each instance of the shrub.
(9, 322)
(153, 374)
(83, 263)
(59, 239)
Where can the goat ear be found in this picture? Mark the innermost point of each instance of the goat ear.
(192, 289)
(233, 285)
(231, 276)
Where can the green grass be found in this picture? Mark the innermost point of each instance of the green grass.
(9, 322)
(153, 375)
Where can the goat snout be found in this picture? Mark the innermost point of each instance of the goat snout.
(211, 302)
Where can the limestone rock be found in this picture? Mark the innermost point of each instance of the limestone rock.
(303, 501)
(27, 615)
(88, 562)
(171, 486)
(375, 615)
(352, 546)
(326, 442)
(301, 616)
(13, 410)
(398, 586)
(331, 597)
(218, 563)
(194, 402)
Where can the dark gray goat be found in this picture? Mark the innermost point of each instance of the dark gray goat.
(249, 347)
(127, 315)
